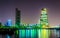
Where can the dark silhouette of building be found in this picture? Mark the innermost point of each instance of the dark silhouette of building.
(17, 18)
(17, 22)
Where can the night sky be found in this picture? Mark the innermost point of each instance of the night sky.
(30, 10)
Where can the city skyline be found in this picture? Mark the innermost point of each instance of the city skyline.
(30, 11)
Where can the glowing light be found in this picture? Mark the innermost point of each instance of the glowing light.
(7, 36)
(21, 33)
(27, 33)
(39, 32)
(8, 23)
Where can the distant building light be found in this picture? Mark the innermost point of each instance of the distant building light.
(8, 23)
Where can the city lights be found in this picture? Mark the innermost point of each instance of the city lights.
(40, 30)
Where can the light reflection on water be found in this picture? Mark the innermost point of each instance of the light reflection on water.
(32, 34)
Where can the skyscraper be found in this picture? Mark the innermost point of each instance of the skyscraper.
(43, 33)
(17, 22)
(44, 17)
(17, 18)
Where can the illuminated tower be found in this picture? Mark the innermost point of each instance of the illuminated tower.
(17, 22)
(43, 33)
(17, 19)
(44, 17)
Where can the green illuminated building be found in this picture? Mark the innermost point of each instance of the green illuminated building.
(17, 18)
(17, 22)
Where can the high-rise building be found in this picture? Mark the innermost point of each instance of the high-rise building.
(43, 33)
(17, 18)
(17, 22)
(44, 17)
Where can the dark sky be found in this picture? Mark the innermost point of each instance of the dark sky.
(30, 10)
